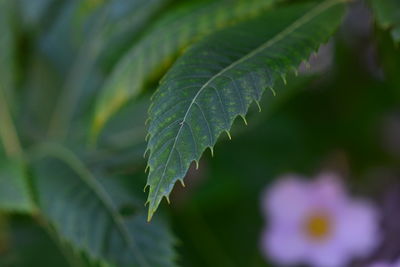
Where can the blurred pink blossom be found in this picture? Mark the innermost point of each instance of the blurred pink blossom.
(317, 223)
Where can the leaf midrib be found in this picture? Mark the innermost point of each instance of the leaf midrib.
(299, 22)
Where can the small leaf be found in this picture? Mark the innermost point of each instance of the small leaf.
(217, 80)
(157, 49)
(85, 215)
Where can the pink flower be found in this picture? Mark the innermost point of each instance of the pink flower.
(316, 223)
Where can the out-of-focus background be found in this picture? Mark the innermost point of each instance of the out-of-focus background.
(340, 114)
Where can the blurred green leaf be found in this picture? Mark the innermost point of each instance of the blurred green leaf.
(387, 14)
(120, 145)
(86, 215)
(91, 37)
(218, 79)
(33, 13)
(15, 195)
(8, 134)
(7, 49)
(125, 20)
(172, 33)
(14, 188)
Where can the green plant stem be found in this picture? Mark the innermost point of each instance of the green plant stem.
(8, 132)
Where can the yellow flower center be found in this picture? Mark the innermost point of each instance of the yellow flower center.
(318, 226)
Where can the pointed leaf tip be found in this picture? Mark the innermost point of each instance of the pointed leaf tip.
(149, 216)
(283, 76)
(273, 91)
(229, 134)
(244, 119)
(258, 105)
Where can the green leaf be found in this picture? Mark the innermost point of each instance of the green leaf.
(85, 214)
(102, 31)
(15, 195)
(32, 13)
(156, 50)
(217, 80)
(126, 19)
(387, 14)
(117, 22)
(7, 64)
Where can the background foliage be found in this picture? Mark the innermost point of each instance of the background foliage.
(79, 80)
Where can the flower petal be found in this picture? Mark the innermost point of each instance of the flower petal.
(327, 254)
(357, 228)
(284, 246)
(288, 199)
(328, 192)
